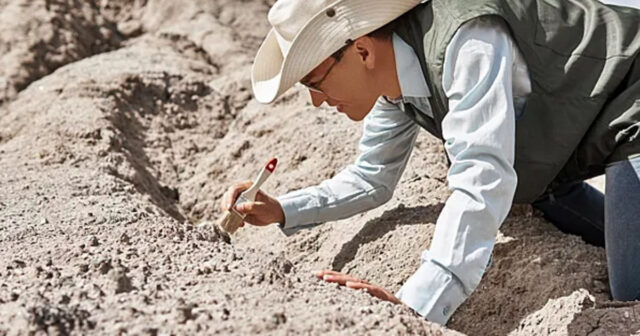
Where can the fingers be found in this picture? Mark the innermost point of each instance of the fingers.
(256, 213)
(321, 273)
(355, 283)
(251, 208)
(376, 291)
(360, 285)
(341, 278)
(232, 193)
(262, 197)
(253, 220)
(371, 289)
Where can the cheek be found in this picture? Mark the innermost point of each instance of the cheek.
(357, 91)
(363, 95)
(353, 86)
(352, 92)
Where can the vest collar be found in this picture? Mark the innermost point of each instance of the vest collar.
(412, 82)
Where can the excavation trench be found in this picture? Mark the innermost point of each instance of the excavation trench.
(111, 160)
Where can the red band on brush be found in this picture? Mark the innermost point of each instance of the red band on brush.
(271, 165)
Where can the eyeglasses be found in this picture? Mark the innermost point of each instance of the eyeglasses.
(315, 87)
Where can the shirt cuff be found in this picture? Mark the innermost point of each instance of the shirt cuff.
(293, 217)
(432, 291)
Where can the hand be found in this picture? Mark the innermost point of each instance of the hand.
(264, 211)
(355, 283)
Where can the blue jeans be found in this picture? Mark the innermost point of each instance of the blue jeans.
(611, 220)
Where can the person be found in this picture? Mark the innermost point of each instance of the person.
(529, 97)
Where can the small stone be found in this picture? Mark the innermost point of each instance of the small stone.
(151, 331)
(278, 318)
(366, 310)
(185, 313)
(132, 28)
(83, 268)
(93, 241)
(225, 314)
(65, 299)
(124, 238)
(104, 266)
(123, 282)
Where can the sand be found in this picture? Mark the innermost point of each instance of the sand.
(121, 125)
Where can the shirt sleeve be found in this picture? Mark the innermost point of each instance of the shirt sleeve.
(384, 149)
(479, 134)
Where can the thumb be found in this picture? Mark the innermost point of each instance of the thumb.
(247, 208)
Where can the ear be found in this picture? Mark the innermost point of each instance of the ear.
(364, 48)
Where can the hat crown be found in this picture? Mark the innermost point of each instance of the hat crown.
(305, 32)
(288, 17)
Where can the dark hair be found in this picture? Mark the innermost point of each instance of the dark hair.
(338, 53)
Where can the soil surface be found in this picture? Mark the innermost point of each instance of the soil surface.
(121, 125)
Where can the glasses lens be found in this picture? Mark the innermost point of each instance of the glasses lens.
(336, 56)
(310, 87)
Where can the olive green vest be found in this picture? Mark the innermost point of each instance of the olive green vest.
(584, 108)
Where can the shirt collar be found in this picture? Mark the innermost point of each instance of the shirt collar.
(409, 72)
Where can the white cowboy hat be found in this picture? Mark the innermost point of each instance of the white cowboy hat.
(306, 32)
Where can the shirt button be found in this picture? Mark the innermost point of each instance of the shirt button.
(445, 310)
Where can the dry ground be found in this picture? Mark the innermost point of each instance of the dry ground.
(121, 124)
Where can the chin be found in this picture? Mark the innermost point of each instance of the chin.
(362, 110)
(355, 113)
(355, 118)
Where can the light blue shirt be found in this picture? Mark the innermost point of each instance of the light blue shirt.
(486, 81)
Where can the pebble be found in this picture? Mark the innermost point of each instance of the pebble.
(93, 241)
(123, 282)
(225, 314)
(83, 268)
(124, 238)
(278, 318)
(185, 313)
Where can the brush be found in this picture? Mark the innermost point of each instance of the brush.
(232, 220)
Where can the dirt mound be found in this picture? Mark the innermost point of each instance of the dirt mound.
(93, 230)
(110, 163)
(37, 37)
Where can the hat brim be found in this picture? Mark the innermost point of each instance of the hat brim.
(273, 73)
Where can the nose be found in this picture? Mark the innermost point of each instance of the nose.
(317, 98)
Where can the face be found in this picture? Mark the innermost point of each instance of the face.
(349, 86)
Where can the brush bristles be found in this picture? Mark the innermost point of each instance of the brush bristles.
(230, 222)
